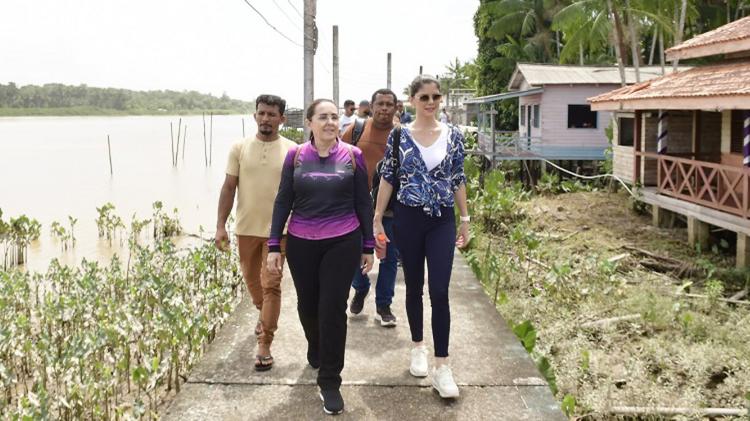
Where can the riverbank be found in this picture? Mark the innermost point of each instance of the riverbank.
(622, 313)
(95, 111)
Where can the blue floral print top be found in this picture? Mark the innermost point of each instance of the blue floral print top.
(419, 187)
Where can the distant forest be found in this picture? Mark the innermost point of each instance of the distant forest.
(59, 99)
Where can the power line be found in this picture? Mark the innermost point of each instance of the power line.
(287, 16)
(272, 27)
(295, 9)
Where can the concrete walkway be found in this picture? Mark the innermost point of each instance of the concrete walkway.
(496, 377)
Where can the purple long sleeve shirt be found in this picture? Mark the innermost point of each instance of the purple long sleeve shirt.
(325, 197)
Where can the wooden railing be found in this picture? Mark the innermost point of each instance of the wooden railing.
(710, 184)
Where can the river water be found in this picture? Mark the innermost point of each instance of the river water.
(53, 167)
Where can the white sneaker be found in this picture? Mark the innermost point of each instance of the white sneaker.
(442, 380)
(418, 367)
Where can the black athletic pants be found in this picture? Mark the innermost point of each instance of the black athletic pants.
(322, 272)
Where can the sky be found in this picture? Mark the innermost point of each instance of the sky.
(217, 46)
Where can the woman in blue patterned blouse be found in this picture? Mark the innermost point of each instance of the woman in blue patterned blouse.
(429, 180)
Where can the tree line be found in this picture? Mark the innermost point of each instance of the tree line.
(82, 99)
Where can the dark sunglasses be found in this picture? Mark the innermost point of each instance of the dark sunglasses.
(426, 97)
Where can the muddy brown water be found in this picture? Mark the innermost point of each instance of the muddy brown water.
(52, 167)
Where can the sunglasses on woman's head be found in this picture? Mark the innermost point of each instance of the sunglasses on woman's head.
(426, 97)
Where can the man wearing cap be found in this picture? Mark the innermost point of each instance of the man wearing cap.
(364, 109)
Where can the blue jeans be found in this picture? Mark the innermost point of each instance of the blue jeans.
(386, 272)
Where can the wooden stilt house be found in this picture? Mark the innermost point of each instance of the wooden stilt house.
(685, 137)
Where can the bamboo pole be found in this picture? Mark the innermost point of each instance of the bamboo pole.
(211, 141)
(184, 138)
(109, 149)
(660, 410)
(171, 136)
(179, 132)
(205, 155)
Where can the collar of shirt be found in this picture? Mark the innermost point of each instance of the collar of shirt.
(331, 151)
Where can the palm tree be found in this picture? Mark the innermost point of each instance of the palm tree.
(530, 20)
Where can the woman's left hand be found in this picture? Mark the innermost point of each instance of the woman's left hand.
(464, 235)
(366, 263)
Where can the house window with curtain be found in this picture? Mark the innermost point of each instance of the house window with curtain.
(523, 115)
(581, 117)
(535, 117)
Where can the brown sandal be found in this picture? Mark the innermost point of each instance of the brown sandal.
(263, 363)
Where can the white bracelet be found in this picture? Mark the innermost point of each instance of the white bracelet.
(465, 218)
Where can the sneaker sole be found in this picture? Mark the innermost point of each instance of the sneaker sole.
(324, 406)
(384, 323)
(411, 371)
(445, 395)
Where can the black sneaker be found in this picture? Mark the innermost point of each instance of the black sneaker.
(358, 301)
(333, 402)
(387, 319)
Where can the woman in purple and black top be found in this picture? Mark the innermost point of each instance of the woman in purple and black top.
(324, 186)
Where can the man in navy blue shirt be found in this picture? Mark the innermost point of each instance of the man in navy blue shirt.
(405, 116)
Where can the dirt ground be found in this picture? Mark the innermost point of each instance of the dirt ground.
(592, 264)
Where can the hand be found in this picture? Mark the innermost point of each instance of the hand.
(366, 263)
(464, 235)
(221, 239)
(274, 264)
(380, 238)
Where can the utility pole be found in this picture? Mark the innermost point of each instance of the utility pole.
(310, 44)
(336, 65)
(420, 70)
(388, 79)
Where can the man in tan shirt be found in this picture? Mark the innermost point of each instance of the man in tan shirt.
(254, 172)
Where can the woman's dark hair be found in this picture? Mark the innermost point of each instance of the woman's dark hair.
(271, 100)
(310, 112)
(420, 81)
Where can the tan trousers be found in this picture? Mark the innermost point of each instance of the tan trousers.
(264, 288)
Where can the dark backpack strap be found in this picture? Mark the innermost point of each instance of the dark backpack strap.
(395, 151)
(359, 128)
(296, 156)
(351, 156)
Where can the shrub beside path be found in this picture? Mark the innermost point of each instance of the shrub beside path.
(497, 378)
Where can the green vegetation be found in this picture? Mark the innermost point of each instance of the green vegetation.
(607, 324)
(15, 237)
(111, 342)
(292, 134)
(62, 100)
(583, 32)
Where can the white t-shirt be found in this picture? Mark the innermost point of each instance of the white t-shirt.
(344, 121)
(434, 154)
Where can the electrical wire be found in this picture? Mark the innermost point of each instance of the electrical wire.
(592, 177)
(295, 9)
(296, 25)
(272, 27)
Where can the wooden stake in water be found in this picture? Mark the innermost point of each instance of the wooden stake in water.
(211, 142)
(205, 155)
(109, 149)
(179, 131)
(184, 137)
(171, 136)
(243, 127)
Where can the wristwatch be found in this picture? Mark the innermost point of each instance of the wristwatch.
(466, 218)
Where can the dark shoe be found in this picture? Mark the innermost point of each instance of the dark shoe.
(357, 302)
(333, 402)
(387, 319)
(263, 363)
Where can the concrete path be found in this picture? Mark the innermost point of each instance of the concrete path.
(496, 377)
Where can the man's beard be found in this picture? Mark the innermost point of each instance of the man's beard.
(265, 131)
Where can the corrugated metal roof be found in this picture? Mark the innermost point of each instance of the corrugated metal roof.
(727, 34)
(546, 74)
(719, 80)
(505, 95)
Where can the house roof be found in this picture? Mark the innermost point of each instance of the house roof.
(505, 95)
(731, 38)
(718, 86)
(546, 74)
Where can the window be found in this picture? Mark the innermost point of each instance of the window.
(536, 115)
(737, 133)
(625, 131)
(523, 115)
(581, 117)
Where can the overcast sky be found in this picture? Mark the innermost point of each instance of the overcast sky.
(216, 46)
